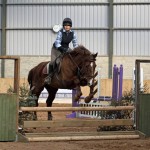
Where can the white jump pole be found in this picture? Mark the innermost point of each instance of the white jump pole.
(141, 79)
(98, 79)
(57, 109)
(82, 138)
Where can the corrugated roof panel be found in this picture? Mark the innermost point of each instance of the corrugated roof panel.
(37, 15)
(132, 16)
(29, 42)
(132, 43)
(94, 40)
(131, 0)
(53, 1)
(38, 42)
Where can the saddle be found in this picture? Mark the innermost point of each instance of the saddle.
(56, 65)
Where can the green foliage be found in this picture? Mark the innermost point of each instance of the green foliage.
(128, 96)
(25, 96)
(10, 90)
(25, 100)
(23, 91)
(145, 89)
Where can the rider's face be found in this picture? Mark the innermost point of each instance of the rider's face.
(67, 28)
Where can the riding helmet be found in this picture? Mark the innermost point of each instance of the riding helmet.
(67, 21)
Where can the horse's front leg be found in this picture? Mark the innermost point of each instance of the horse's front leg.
(78, 93)
(91, 94)
(49, 104)
(78, 90)
(52, 92)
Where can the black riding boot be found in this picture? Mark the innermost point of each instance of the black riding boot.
(49, 77)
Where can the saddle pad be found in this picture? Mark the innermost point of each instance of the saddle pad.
(56, 65)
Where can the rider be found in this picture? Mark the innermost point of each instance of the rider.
(61, 44)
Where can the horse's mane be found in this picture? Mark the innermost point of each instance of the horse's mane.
(80, 50)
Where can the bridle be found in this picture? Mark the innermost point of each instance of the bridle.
(79, 71)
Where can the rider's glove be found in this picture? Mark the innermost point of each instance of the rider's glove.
(62, 49)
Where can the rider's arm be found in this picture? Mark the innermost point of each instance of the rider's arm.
(58, 39)
(74, 40)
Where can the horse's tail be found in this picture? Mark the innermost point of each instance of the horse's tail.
(30, 75)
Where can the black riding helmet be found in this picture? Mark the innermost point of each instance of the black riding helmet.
(67, 21)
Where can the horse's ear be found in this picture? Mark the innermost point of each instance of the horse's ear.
(95, 55)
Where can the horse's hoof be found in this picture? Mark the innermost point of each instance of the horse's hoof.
(76, 99)
(50, 117)
(87, 99)
(35, 117)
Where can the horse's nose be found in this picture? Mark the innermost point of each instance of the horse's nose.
(83, 81)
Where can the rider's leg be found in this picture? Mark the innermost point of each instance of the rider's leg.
(50, 68)
(50, 74)
(54, 54)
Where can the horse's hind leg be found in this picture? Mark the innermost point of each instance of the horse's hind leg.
(36, 91)
(52, 92)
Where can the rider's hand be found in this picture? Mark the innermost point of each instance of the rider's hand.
(63, 49)
(67, 50)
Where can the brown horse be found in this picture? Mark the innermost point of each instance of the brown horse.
(76, 69)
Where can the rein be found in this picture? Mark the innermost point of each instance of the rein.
(79, 70)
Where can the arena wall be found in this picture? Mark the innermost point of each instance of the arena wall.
(128, 64)
(105, 86)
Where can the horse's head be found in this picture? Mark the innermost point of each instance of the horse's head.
(88, 69)
(85, 61)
